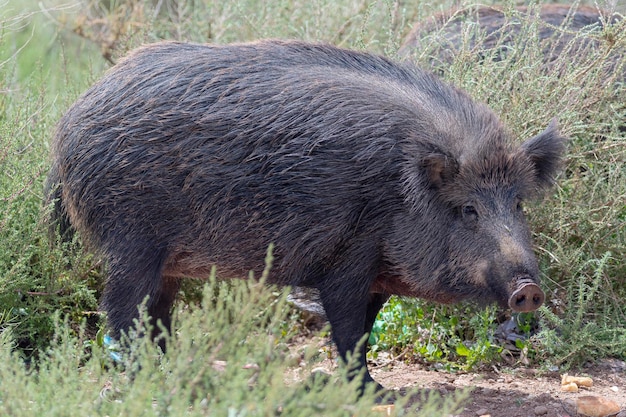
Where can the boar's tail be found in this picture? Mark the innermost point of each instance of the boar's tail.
(56, 216)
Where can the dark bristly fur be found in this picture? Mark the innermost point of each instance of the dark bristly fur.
(371, 179)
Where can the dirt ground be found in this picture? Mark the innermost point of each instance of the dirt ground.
(510, 392)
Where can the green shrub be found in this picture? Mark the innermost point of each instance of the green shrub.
(229, 356)
(36, 279)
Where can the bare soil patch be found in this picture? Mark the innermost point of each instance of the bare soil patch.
(511, 392)
(506, 392)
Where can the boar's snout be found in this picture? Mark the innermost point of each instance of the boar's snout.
(527, 296)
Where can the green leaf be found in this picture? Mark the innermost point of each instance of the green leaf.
(462, 350)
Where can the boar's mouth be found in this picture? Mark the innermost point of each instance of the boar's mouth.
(527, 296)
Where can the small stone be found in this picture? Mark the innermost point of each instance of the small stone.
(614, 389)
(543, 398)
(384, 409)
(541, 410)
(482, 412)
(596, 406)
(571, 387)
(613, 365)
(320, 370)
(554, 406)
(581, 381)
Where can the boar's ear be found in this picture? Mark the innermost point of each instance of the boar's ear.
(439, 168)
(546, 151)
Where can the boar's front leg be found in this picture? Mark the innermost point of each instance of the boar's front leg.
(351, 311)
(376, 302)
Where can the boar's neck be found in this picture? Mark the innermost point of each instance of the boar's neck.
(415, 260)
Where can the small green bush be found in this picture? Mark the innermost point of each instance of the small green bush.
(229, 356)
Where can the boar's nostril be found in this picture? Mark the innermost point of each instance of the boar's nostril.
(527, 297)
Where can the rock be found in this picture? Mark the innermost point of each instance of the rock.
(540, 410)
(592, 406)
(384, 409)
(581, 381)
(571, 387)
(612, 365)
(543, 398)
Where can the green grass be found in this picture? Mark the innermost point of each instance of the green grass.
(48, 293)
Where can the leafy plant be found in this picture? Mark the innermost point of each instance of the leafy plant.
(445, 336)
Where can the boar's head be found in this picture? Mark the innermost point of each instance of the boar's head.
(467, 235)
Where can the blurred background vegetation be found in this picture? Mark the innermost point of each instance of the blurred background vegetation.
(52, 50)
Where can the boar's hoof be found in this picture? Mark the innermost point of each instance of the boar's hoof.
(527, 297)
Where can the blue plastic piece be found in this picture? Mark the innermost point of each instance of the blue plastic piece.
(110, 344)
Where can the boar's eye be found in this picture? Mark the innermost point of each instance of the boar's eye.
(469, 212)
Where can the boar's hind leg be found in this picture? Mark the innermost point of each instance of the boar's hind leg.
(132, 277)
